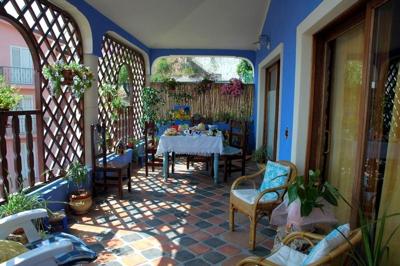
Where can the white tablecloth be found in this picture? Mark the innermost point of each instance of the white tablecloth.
(190, 145)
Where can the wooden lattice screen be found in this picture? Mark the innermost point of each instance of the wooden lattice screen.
(115, 55)
(55, 36)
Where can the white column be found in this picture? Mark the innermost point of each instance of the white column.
(91, 109)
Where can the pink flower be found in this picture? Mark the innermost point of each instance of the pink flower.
(233, 88)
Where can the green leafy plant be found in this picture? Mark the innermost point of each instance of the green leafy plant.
(19, 202)
(245, 71)
(59, 74)
(9, 97)
(260, 155)
(310, 191)
(108, 91)
(78, 174)
(151, 100)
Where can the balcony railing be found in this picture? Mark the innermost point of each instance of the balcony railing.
(12, 119)
(18, 75)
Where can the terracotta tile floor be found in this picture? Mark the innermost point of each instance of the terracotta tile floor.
(183, 221)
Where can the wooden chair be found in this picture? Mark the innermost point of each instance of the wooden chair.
(336, 254)
(150, 149)
(105, 173)
(190, 159)
(252, 202)
(236, 150)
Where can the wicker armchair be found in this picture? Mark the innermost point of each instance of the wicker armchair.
(255, 206)
(337, 253)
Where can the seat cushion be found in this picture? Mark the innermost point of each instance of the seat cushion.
(229, 150)
(10, 249)
(80, 253)
(248, 195)
(276, 175)
(286, 256)
(329, 243)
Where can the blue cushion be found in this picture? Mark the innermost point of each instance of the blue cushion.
(276, 175)
(229, 150)
(80, 253)
(331, 241)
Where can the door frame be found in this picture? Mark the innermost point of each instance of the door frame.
(277, 64)
(275, 55)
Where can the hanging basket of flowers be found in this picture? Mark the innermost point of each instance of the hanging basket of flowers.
(233, 88)
(76, 76)
(204, 85)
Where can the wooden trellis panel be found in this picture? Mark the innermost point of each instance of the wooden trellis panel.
(55, 36)
(115, 55)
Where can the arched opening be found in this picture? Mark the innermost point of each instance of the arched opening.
(118, 64)
(52, 35)
(18, 68)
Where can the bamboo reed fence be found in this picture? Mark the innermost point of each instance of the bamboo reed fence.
(210, 104)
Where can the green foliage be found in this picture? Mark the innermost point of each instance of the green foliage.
(309, 192)
(151, 100)
(260, 155)
(170, 83)
(110, 93)
(19, 202)
(123, 75)
(245, 71)
(9, 97)
(82, 77)
(78, 174)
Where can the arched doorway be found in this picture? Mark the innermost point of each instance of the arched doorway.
(53, 35)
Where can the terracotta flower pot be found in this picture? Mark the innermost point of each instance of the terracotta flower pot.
(68, 77)
(80, 201)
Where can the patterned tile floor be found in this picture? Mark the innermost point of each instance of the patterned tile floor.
(183, 221)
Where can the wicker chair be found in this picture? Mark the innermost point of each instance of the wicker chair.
(257, 206)
(337, 253)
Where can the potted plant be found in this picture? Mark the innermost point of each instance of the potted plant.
(19, 202)
(310, 192)
(260, 156)
(9, 97)
(80, 200)
(131, 143)
(77, 76)
(108, 91)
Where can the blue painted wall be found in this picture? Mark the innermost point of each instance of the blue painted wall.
(281, 24)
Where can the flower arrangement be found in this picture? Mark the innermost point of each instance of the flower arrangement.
(9, 97)
(78, 76)
(233, 88)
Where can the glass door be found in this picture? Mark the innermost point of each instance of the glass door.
(271, 110)
(381, 180)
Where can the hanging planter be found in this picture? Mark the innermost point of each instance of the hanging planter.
(76, 76)
(170, 84)
(205, 85)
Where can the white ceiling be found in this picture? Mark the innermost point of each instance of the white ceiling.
(204, 24)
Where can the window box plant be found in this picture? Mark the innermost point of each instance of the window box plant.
(9, 97)
(76, 76)
(80, 200)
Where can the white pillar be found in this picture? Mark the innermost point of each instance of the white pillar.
(91, 108)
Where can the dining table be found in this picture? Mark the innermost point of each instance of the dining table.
(198, 143)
